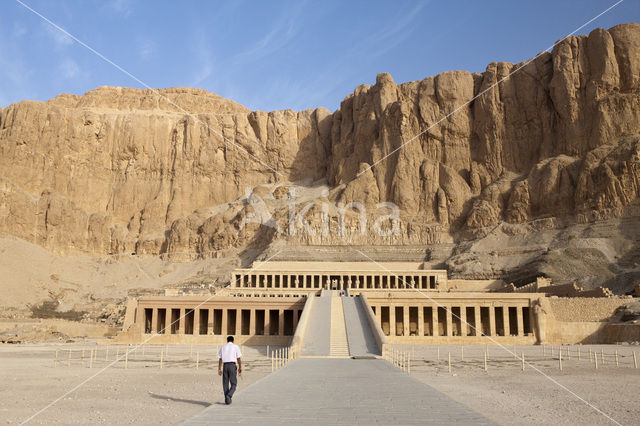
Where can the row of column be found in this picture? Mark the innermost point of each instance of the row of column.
(218, 321)
(505, 325)
(334, 281)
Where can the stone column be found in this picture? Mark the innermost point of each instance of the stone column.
(520, 321)
(420, 321)
(434, 320)
(281, 283)
(449, 322)
(505, 320)
(463, 321)
(281, 322)
(210, 324)
(196, 322)
(492, 320)
(392, 320)
(183, 320)
(225, 329)
(167, 321)
(379, 315)
(253, 324)
(267, 325)
(154, 320)
(478, 330)
(296, 312)
(405, 322)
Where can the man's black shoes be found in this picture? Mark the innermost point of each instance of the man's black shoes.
(227, 400)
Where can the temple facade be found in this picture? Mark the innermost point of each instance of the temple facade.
(407, 303)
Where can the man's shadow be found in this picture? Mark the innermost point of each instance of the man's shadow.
(188, 401)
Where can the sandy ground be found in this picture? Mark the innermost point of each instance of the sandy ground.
(142, 394)
(30, 274)
(508, 395)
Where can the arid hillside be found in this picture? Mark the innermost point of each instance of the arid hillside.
(480, 163)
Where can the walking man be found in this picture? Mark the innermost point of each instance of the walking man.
(227, 357)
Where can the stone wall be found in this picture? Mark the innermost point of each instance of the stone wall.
(585, 309)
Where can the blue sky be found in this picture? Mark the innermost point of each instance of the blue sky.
(270, 55)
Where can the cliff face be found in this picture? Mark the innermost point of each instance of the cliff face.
(562, 131)
(125, 170)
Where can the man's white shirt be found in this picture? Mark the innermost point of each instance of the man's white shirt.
(229, 352)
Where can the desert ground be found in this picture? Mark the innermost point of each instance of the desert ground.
(144, 393)
(541, 394)
(109, 393)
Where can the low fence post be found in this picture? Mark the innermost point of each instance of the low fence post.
(560, 359)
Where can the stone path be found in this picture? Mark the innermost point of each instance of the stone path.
(338, 391)
(359, 334)
(317, 338)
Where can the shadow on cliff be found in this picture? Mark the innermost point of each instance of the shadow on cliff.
(260, 241)
(313, 154)
(627, 267)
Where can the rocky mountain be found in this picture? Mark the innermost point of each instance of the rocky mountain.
(553, 141)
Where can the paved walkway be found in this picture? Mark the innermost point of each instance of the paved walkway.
(317, 338)
(338, 391)
(359, 334)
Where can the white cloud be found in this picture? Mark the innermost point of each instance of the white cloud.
(69, 69)
(146, 48)
(389, 36)
(204, 62)
(58, 37)
(121, 7)
(19, 29)
(281, 33)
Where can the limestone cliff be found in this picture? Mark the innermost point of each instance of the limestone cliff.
(135, 171)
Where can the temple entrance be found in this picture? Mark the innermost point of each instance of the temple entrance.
(334, 282)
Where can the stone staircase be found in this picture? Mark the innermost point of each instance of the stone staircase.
(338, 344)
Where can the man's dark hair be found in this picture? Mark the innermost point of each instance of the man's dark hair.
(230, 339)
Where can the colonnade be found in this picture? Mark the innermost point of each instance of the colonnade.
(219, 321)
(453, 319)
(339, 280)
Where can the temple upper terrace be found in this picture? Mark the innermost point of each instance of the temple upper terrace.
(339, 276)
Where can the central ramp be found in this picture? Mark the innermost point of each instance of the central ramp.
(338, 391)
(338, 327)
(359, 334)
(317, 338)
(338, 346)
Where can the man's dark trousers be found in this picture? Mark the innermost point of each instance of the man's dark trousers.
(229, 375)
